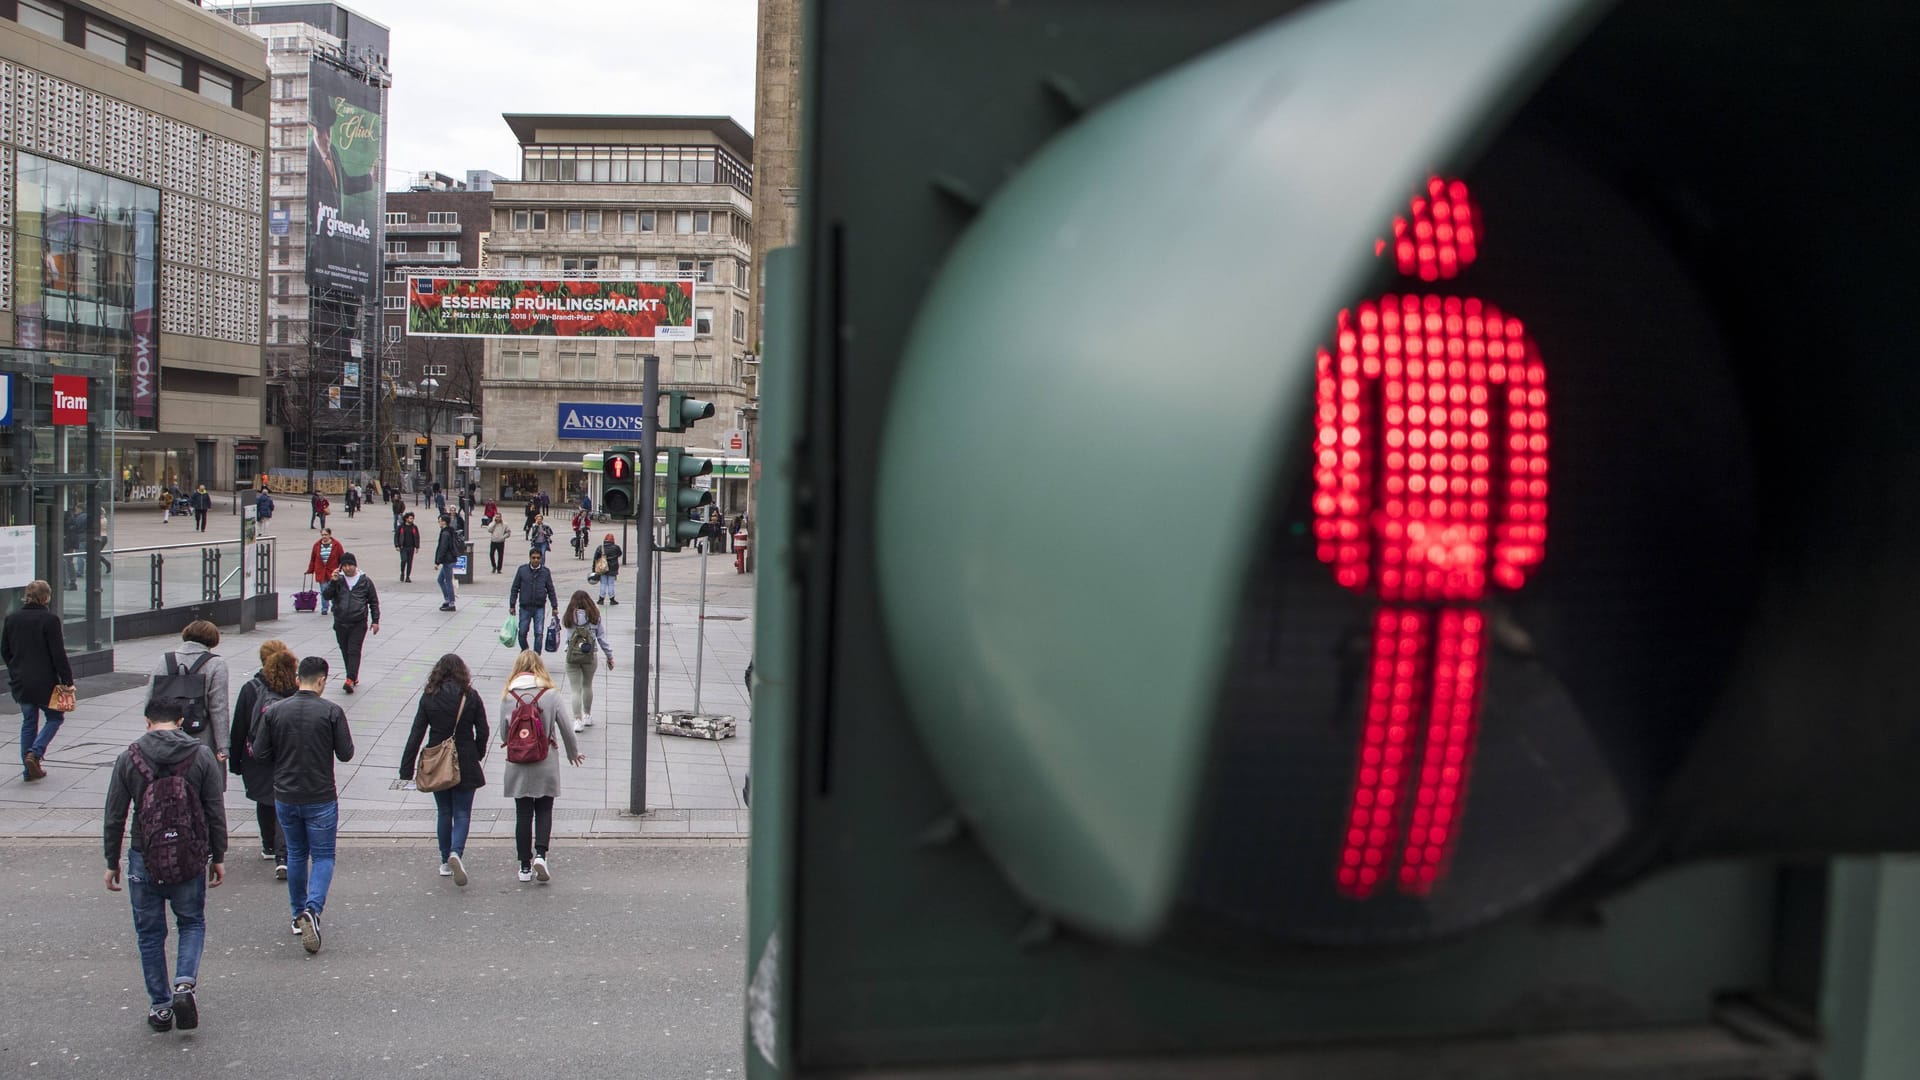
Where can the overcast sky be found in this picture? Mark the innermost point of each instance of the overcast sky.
(459, 64)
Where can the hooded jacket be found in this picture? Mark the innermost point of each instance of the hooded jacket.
(164, 749)
(215, 673)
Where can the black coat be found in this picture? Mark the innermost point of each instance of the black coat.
(435, 717)
(35, 652)
(255, 775)
(447, 547)
(407, 537)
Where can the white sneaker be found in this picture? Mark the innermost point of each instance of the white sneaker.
(540, 868)
(579, 726)
(445, 870)
(458, 869)
(526, 874)
(586, 721)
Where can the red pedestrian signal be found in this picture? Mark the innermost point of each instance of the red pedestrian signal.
(619, 469)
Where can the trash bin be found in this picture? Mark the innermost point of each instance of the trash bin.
(463, 566)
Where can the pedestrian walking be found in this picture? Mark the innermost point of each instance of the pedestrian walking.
(169, 495)
(322, 562)
(586, 641)
(352, 500)
(447, 549)
(606, 566)
(542, 539)
(533, 511)
(274, 681)
(532, 595)
(196, 677)
(320, 506)
(531, 775)
(450, 708)
(34, 648)
(406, 540)
(202, 503)
(399, 507)
(489, 513)
(73, 536)
(263, 511)
(356, 610)
(497, 533)
(179, 849)
(303, 736)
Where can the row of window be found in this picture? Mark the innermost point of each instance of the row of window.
(114, 42)
(636, 221)
(583, 363)
(434, 247)
(636, 165)
(434, 217)
(700, 270)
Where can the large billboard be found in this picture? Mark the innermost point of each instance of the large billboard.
(343, 181)
(629, 308)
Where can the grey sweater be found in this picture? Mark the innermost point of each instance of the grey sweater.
(218, 706)
(537, 779)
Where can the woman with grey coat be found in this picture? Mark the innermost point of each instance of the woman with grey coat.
(196, 640)
(533, 785)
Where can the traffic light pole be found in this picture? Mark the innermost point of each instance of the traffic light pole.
(650, 396)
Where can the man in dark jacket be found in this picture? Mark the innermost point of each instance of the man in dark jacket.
(302, 736)
(356, 610)
(406, 540)
(202, 503)
(609, 577)
(447, 550)
(164, 748)
(532, 595)
(35, 652)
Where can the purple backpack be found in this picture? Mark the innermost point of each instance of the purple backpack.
(173, 830)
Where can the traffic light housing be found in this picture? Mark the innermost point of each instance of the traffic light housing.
(619, 482)
(1064, 794)
(682, 498)
(682, 410)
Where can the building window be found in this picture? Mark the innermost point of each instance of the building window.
(742, 276)
(684, 267)
(281, 255)
(396, 247)
(443, 247)
(105, 39)
(649, 267)
(683, 369)
(703, 369)
(626, 369)
(628, 264)
(393, 367)
(683, 221)
(282, 285)
(578, 363)
(216, 86)
(165, 66)
(45, 16)
(393, 303)
(519, 221)
(739, 325)
(593, 221)
(280, 329)
(706, 272)
(539, 221)
(574, 220)
(432, 370)
(393, 335)
(647, 218)
(288, 87)
(702, 221)
(443, 217)
(396, 217)
(629, 221)
(703, 321)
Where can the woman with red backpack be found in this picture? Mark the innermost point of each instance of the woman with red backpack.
(535, 714)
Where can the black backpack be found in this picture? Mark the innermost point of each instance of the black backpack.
(187, 687)
(173, 828)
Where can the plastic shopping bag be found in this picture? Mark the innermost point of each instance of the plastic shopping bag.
(510, 632)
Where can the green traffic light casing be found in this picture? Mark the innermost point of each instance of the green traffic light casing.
(1004, 820)
(682, 498)
(683, 410)
(619, 481)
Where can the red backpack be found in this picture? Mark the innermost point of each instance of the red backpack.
(173, 829)
(527, 734)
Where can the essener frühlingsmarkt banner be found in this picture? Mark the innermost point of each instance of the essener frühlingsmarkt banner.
(628, 308)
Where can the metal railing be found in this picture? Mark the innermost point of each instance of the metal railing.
(171, 581)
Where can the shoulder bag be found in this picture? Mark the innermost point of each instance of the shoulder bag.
(439, 767)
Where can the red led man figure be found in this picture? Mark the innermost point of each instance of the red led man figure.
(1430, 485)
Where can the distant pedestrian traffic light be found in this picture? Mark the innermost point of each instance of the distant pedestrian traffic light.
(683, 498)
(617, 494)
(682, 410)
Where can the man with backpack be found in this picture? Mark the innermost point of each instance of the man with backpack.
(179, 849)
(447, 550)
(196, 677)
(356, 610)
(302, 736)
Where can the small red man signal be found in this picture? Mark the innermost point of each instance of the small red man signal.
(617, 468)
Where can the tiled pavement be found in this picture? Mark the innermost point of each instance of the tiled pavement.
(692, 785)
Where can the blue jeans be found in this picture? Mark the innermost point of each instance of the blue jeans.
(35, 737)
(538, 617)
(309, 830)
(609, 586)
(456, 811)
(446, 582)
(189, 900)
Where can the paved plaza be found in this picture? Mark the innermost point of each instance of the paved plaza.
(692, 786)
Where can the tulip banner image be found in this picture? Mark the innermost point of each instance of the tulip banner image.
(550, 308)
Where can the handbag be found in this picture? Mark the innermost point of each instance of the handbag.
(553, 636)
(62, 700)
(510, 632)
(599, 565)
(439, 767)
